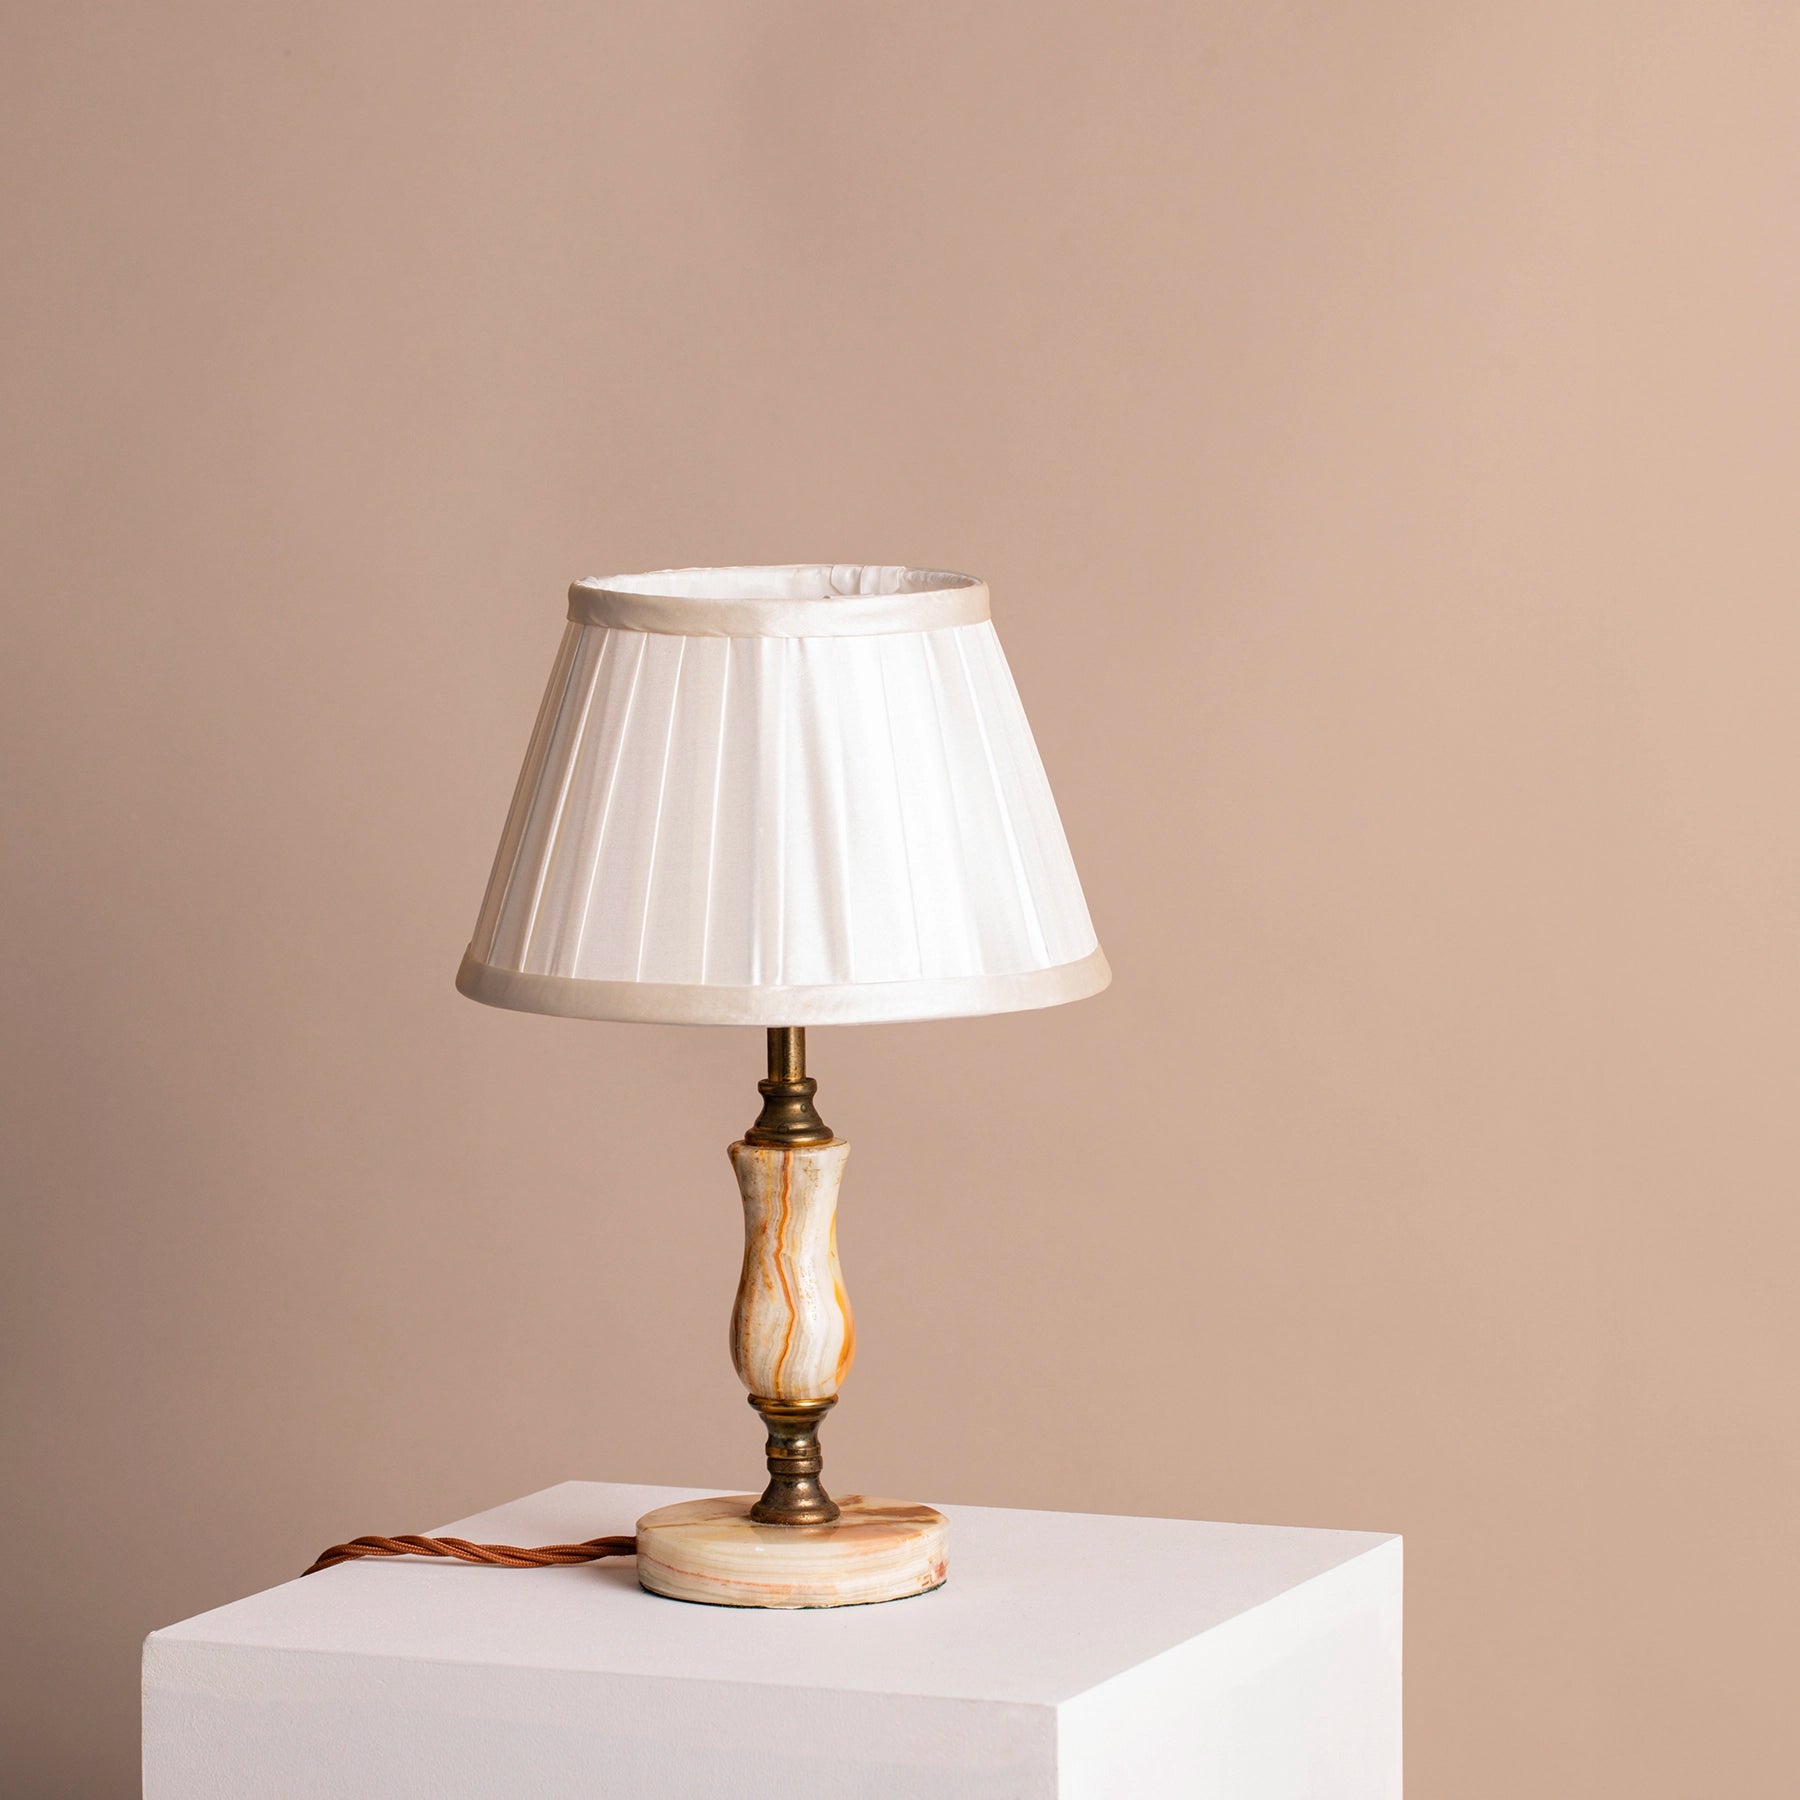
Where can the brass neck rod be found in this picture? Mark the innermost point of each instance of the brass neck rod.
(788, 1120)
(787, 1052)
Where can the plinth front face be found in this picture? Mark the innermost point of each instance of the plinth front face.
(712, 1551)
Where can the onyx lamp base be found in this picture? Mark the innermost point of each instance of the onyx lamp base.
(714, 1552)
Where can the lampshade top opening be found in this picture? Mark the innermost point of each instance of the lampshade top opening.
(789, 600)
(784, 581)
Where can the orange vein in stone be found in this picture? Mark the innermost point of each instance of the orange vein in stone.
(787, 1293)
(846, 1350)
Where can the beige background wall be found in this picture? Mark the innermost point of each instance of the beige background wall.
(1376, 422)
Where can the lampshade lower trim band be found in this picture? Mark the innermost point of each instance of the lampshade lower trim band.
(856, 1003)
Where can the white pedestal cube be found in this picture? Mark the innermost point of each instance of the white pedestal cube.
(1069, 1655)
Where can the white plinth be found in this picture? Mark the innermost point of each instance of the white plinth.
(1069, 1654)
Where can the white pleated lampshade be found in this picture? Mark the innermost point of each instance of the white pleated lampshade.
(801, 795)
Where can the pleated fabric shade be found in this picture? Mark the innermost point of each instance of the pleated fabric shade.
(792, 795)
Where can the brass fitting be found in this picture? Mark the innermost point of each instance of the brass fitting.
(788, 1118)
(794, 1495)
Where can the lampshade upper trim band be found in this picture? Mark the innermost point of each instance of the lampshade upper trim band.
(786, 600)
(852, 1003)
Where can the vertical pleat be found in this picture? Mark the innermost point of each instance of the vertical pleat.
(665, 916)
(816, 942)
(1024, 901)
(710, 883)
(782, 811)
(744, 899)
(947, 827)
(1043, 850)
(775, 812)
(943, 917)
(617, 705)
(552, 930)
(500, 881)
(910, 894)
(545, 808)
(620, 881)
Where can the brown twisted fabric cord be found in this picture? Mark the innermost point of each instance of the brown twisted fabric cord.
(505, 1556)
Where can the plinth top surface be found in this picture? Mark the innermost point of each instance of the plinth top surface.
(1039, 1607)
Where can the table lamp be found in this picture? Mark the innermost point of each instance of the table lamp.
(781, 797)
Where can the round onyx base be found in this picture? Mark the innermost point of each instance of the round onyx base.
(712, 1551)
